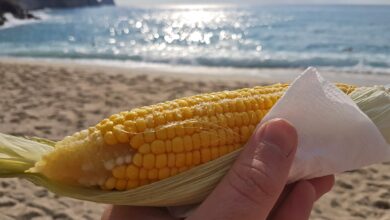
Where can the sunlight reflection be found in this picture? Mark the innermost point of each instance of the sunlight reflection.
(182, 33)
(193, 18)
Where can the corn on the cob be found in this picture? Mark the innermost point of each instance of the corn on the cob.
(148, 144)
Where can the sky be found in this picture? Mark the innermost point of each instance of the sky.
(153, 2)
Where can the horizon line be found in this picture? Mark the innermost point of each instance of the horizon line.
(243, 4)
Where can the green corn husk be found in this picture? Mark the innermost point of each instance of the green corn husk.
(18, 154)
(375, 103)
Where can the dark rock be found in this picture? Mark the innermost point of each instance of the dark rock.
(16, 9)
(40, 4)
(20, 8)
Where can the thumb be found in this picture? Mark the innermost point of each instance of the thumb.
(255, 181)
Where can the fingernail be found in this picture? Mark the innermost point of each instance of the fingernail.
(281, 134)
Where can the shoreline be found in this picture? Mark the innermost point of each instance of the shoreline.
(263, 75)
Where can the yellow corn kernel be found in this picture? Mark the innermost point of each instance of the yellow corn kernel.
(230, 119)
(189, 127)
(240, 105)
(132, 172)
(230, 136)
(252, 117)
(221, 137)
(140, 123)
(163, 173)
(161, 134)
(237, 119)
(205, 155)
(130, 115)
(213, 138)
(204, 139)
(110, 139)
(244, 134)
(179, 130)
(187, 141)
(131, 184)
(222, 121)
(149, 121)
(137, 159)
(107, 126)
(196, 141)
(130, 127)
(121, 184)
(143, 174)
(149, 136)
(143, 182)
(158, 147)
(119, 172)
(232, 106)
(245, 118)
(171, 132)
(177, 145)
(110, 183)
(171, 160)
(268, 103)
(153, 174)
(159, 119)
(187, 112)
(161, 161)
(182, 103)
(144, 149)
(149, 161)
(189, 159)
(169, 116)
(120, 134)
(180, 160)
(137, 141)
(196, 158)
(237, 136)
(168, 145)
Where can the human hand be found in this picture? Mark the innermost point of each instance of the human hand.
(255, 187)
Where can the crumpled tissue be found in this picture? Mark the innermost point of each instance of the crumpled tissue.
(334, 135)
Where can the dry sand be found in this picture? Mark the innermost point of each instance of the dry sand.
(54, 100)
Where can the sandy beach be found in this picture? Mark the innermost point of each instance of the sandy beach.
(55, 99)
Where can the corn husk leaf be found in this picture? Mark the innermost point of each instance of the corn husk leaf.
(19, 154)
(185, 188)
(375, 103)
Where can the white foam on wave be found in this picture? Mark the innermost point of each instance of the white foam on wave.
(357, 77)
(14, 22)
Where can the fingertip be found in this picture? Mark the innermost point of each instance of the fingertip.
(297, 204)
(305, 187)
(278, 132)
(322, 185)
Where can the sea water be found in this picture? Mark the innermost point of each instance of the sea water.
(339, 37)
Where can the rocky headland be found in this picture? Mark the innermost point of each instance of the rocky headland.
(20, 9)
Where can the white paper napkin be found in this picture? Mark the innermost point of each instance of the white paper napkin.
(334, 135)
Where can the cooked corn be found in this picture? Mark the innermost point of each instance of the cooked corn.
(148, 144)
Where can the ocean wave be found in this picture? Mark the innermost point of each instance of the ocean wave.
(344, 63)
(251, 38)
